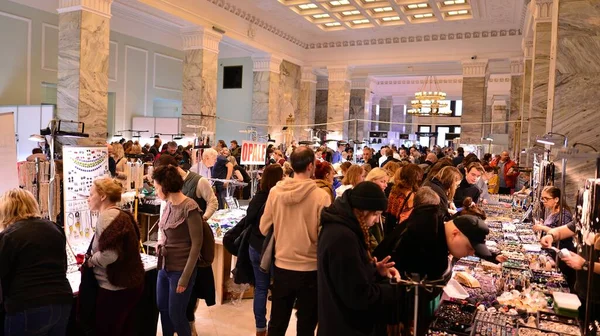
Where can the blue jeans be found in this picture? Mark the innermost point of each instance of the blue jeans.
(261, 290)
(48, 320)
(172, 306)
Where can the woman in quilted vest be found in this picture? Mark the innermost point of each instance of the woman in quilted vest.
(116, 261)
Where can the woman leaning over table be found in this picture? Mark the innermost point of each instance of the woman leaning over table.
(179, 250)
(116, 261)
(37, 297)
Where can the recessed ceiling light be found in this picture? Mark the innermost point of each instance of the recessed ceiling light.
(463, 11)
(339, 2)
(370, 0)
(416, 6)
(307, 6)
(452, 13)
(422, 16)
(391, 18)
(333, 24)
(460, 12)
(353, 12)
(383, 9)
(360, 21)
(453, 2)
(320, 16)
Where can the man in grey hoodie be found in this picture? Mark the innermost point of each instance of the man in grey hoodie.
(293, 209)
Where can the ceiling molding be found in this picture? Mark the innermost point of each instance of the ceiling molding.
(99, 7)
(255, 20)
(413, 39)
(126, 11)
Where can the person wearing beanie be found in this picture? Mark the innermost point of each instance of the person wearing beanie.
(352, 286)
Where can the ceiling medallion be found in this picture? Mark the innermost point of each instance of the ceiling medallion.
(428, 101)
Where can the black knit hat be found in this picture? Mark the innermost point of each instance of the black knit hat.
(368, 196)
(476, 230)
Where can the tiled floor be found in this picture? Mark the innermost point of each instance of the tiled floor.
(230, 320)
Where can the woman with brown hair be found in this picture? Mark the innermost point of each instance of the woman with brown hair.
(33, 267)
(445, 183)
(353, 176)
(350, 296)
(271, 175)
(445, 162)
(324, 175)
(116, 260)
(400, 204)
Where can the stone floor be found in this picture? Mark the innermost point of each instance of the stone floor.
(230, 320)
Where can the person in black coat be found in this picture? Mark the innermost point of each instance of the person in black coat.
(271, 175)
(468, 187)
(352, 286)
(445, 184)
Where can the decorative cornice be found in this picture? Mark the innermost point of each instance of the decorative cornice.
(516, 66)
(543, 10)
(308, 75)
(475, 68)
(418, 81)
(200, 38)
(131, 13)
(254, 20)
(269, 63)
(364, 83)
(322, 84)
(100, 7)
(412, 39)
(527, 46)
(338, 73)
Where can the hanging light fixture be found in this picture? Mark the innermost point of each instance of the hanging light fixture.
(429, 99)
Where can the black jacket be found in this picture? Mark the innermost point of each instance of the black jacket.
(253, 215)
(466, 190)
(458, 160)
(436, 185)
(349, 294)
(389, 159)
(33, 265)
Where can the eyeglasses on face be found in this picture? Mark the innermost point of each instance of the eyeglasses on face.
(546, 199)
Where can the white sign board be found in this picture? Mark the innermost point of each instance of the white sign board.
(253, 153)
(8, 153)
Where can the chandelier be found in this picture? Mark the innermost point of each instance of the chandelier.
(429, 99)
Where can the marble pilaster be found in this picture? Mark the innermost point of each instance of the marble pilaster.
(359, 107)
(474, 97)
(487, 118)
(290, 76)
(338, 102)
(266, 93)
(83, 51)
(499, 118)
(200, 66)
(307, 103)
(385, 114)
(374, 116)
(321, 108)
(398, 117)
(514, 114)
(526, 101)
(575, 110)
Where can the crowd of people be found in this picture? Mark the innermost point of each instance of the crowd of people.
(346, 229)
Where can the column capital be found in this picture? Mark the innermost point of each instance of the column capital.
(364, 83)
(308, 75)
(338, 73)
(100, 7)
(269, 63)
(516, 66)
(542, 10)
(200, 38)
(475, 68)
(527, 46)
(322, 83)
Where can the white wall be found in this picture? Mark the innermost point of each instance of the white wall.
(234, 104)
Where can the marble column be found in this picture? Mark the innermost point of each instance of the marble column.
(487, 118)
(83, 50)
(526, 101)
(474, 97)
(290, 78)
(265, 93)
(398, 115)
(374, 116)
(200, 66)
(577, 78)
(516, 97)
(385, 113)
(338, 101)
(360, 104)
(321, 103)
(542, 30)
(307, 103)
(499, 117)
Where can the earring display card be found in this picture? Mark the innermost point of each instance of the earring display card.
(81, 166)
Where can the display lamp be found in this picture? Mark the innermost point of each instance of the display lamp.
(37, 138)
(552, 139)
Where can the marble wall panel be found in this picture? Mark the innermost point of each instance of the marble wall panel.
(575, 112)
(539, 83)
(358, 101)
(487, 117)
(499, 114)
(514, 129)
(290, 90)
(306, 108)
(384, 115)
(199, 101)
(321, 99)
(474, 104)
(69, 60)
(524, 140)
(398, 117)
(374, 118)
(338, 107)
